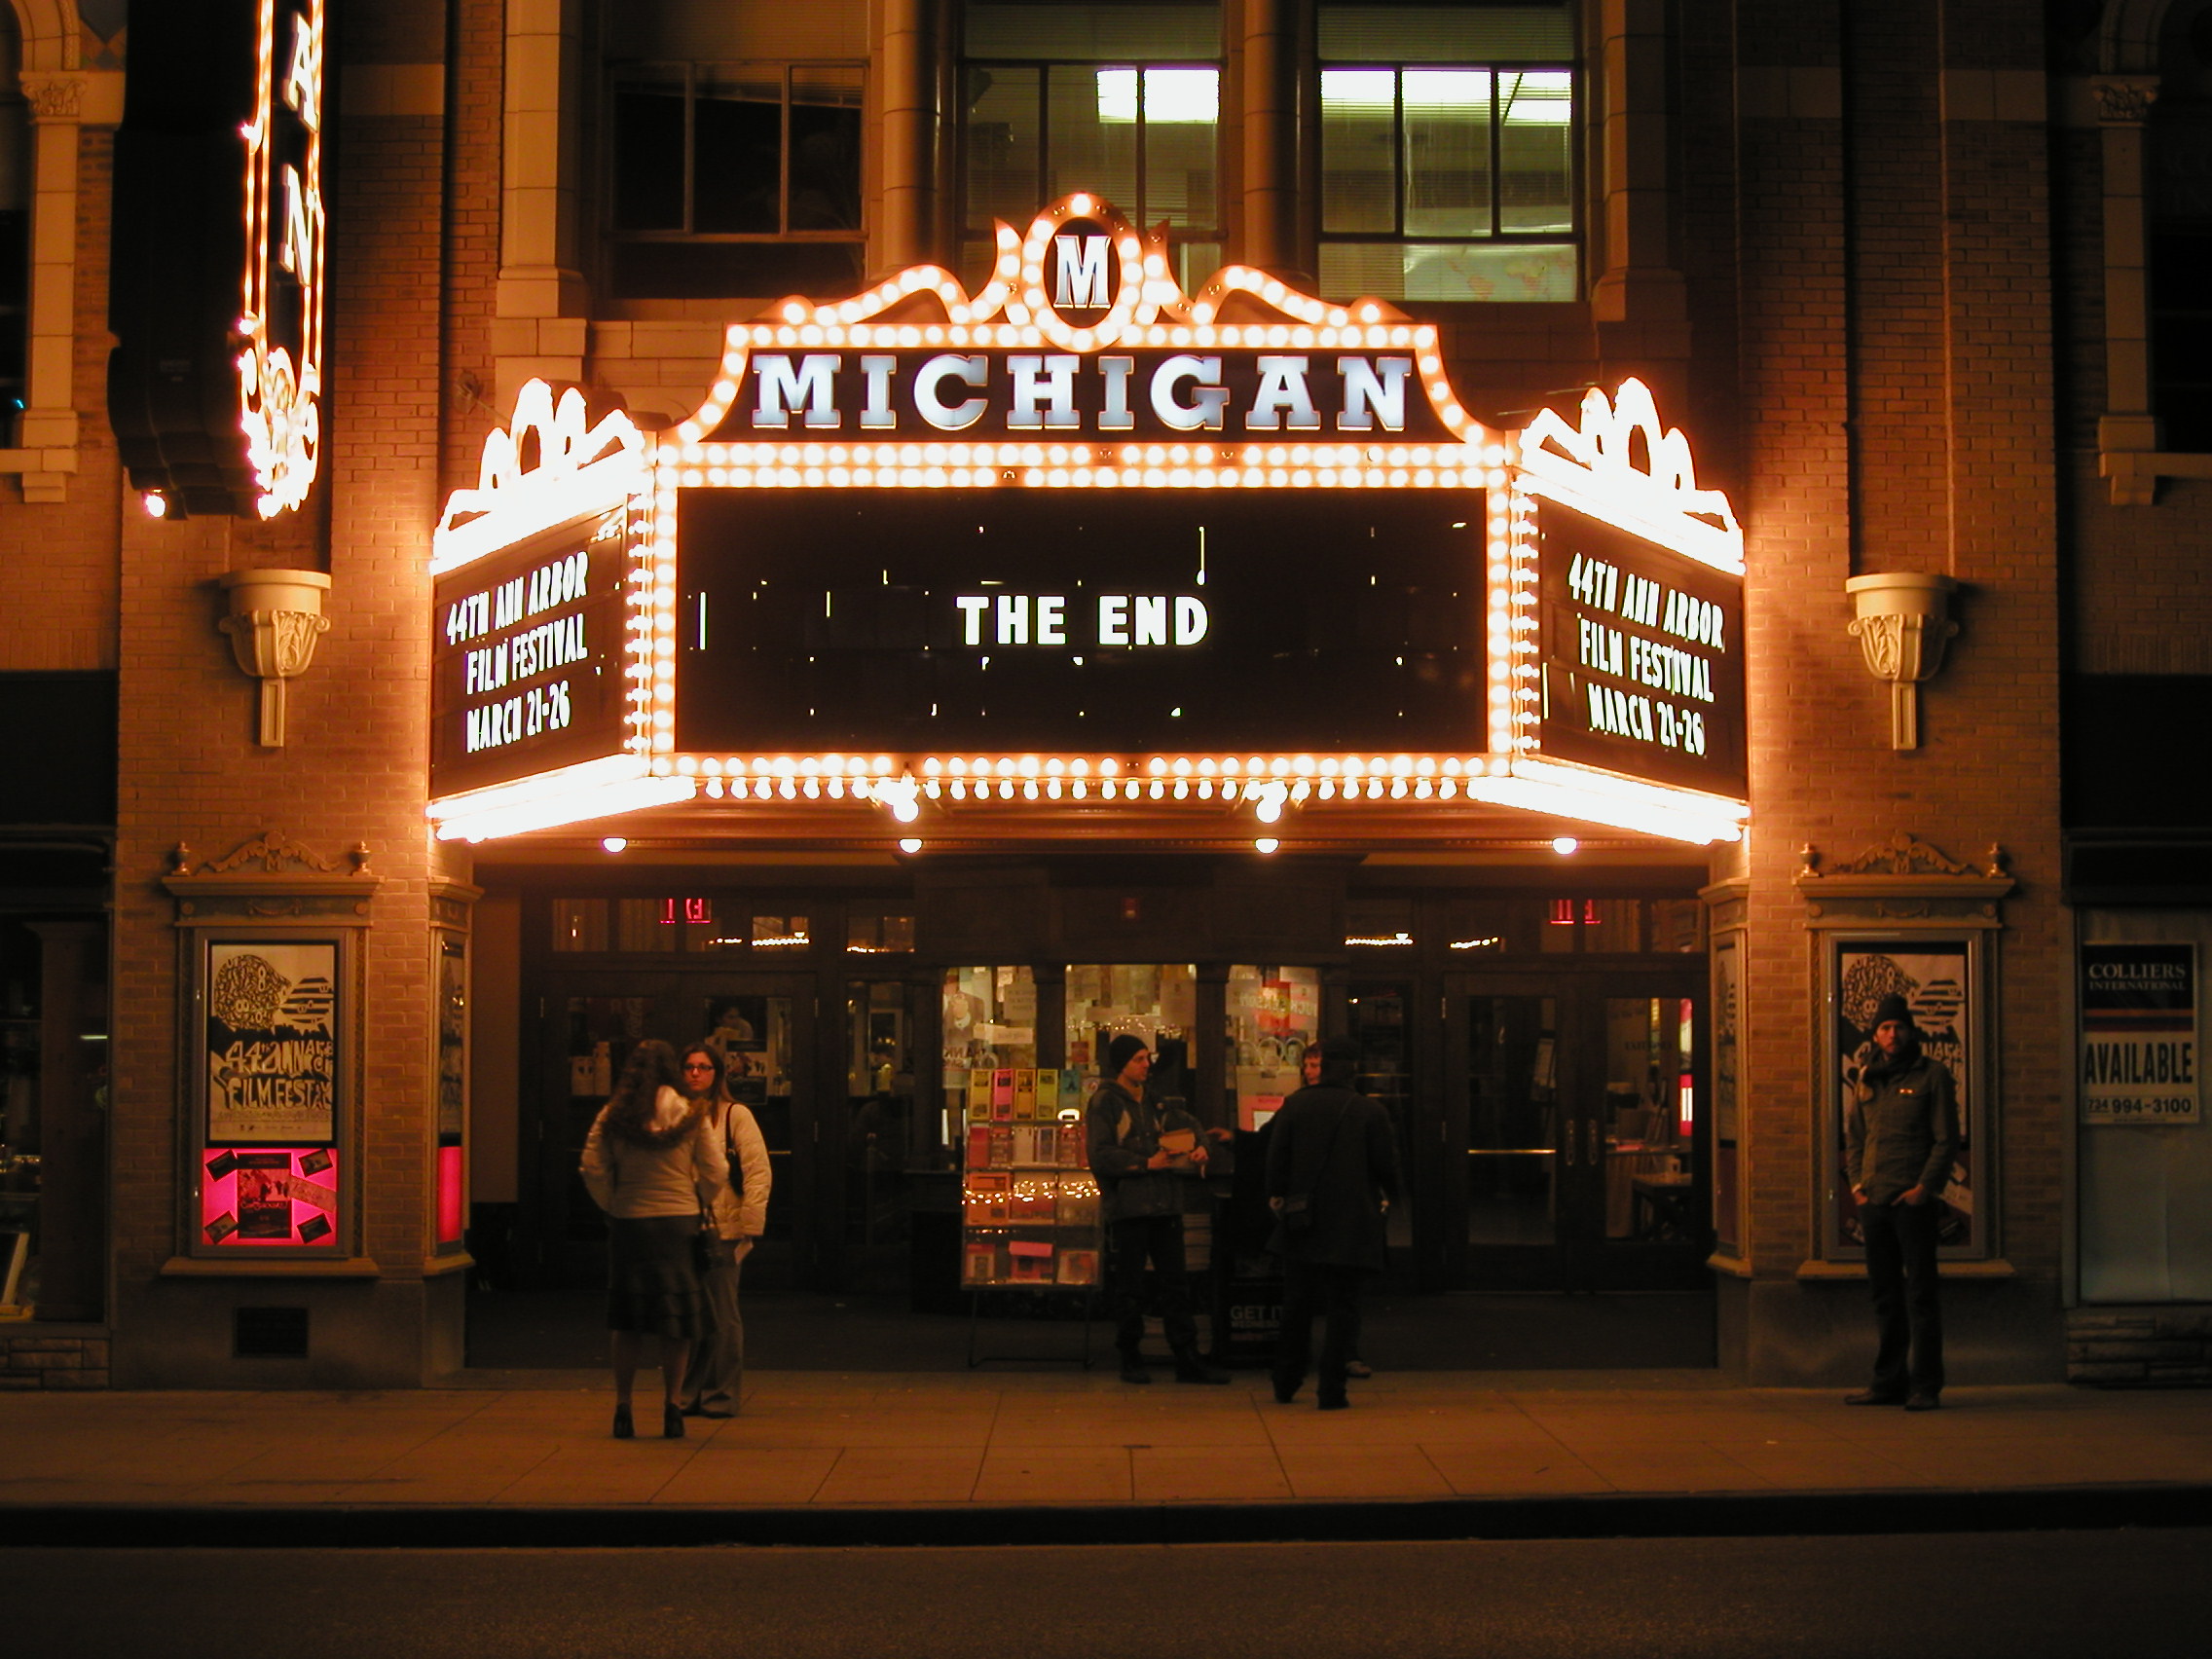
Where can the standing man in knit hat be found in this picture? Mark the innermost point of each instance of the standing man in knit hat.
(1332, 1172)
(1145, 1186)
(1902, 1131)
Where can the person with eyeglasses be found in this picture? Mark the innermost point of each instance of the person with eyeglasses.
(713, 1379)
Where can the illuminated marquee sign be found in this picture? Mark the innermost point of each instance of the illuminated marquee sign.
(1014, 621)
(1054, 378)
(1642, 655)
(541, 648)
(1080, 536)
(1637, 663)
(214, 388)
(526, 669)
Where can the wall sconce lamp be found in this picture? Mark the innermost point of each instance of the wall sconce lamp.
(276, 619)
(1901, 621)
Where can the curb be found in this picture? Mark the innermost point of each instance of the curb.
(1612, 1515)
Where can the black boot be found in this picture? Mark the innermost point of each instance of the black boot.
(1190, 1367)
(1133, 1368)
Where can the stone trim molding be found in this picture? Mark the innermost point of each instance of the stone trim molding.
(32, 1358)
(1994, 1267)
(292, 883)
(2125, 100)
(196, 1266)
(1903, 879)
(2129, 457)
(2143, 1345)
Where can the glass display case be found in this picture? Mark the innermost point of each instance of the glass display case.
(1156, 1003)
(1029, 1205)
(1274, 1014)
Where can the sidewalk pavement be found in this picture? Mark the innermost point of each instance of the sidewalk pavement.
(1068, 1456)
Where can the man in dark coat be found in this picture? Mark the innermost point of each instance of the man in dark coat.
(1332, 1170)
(1902, 1131)
(1146, 1188)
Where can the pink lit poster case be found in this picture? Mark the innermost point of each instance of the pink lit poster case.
(450, 1204)
(266, 1196)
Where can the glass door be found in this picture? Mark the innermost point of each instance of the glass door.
(1644, 1225)
(1580, 1112)
(762, 1029)
(892, 1151)
(1378, 1011)
(1518, 1137)
(591, 1022)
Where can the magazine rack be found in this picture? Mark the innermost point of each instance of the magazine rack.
(1030, 1222)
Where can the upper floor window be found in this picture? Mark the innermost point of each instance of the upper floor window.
(2180, 155)
(734, 150)
(1122, 100)
(1448, 152)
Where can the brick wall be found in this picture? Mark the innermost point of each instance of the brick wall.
(1897, 395)
(1795, 505)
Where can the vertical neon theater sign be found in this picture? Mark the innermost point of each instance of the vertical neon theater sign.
(214, 388)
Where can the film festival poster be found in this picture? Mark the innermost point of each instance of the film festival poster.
(1932, 978)
(272, 1043)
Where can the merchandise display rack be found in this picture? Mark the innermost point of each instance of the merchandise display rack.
(1030, 1224)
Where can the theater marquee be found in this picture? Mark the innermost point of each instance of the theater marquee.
(1082, 537)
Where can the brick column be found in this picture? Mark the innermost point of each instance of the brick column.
(1894, 255)
(353, 770)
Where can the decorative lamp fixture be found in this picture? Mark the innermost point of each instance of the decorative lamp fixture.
(1902, 623)
(276, 619)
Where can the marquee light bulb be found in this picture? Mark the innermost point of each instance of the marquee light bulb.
(1564, 845)
(909, 844)
(901, 798)
(1265, 844)
(614, 843)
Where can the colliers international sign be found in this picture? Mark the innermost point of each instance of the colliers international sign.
(2139, 1034)
(1079, 536)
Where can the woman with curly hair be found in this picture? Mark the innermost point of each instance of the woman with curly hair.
(653, 1164)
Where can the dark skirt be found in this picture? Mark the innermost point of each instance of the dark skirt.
(652, 1286)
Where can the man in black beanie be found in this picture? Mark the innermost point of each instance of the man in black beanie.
(1144, 1184)
(1332, 1169)
(1902, 1131)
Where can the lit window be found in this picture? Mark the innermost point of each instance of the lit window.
(876, 934)
(1448, 153)
(1060, 99)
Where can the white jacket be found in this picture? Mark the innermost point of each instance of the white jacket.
(632, 1180)
(741, 1208)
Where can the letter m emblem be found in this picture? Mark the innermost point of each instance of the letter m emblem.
(1081, 277)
